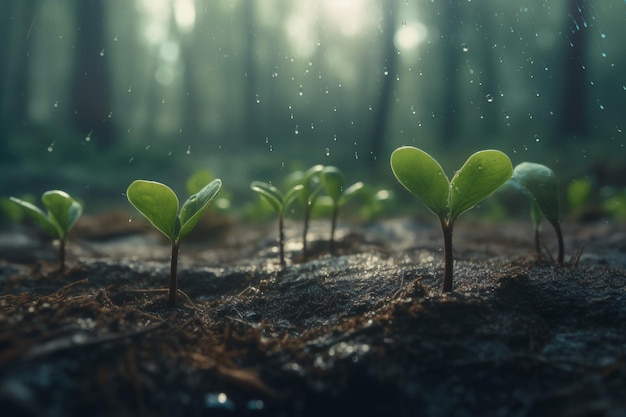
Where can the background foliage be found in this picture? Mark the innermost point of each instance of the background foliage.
(97, 93)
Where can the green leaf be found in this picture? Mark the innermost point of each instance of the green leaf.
(350, 192)
(39, 217)
(312, 185)
(478, 178)
(291, 195)
(62, 210)
(541, 185)
(196, 205)
(419, 173)
(198, 180)
(157, 203)
(270, 193)
(332, 180)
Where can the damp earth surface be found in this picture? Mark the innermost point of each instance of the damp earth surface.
(365, 332)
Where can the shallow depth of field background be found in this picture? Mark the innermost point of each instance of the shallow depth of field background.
(95, 94)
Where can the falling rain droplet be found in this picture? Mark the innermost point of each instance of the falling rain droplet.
(489, 98)
(300, 91)
(51, 147)
(188, 151)
(56, 103)
(327, 151)
(102, 52)
(296, 131)
(464, 47)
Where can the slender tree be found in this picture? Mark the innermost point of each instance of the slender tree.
(450, 22)
(390, 65)
(91, 82)
(574, 120)
(17, 22)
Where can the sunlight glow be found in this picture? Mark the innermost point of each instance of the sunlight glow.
(185, 14)
(157, 17)
(157, 14)
(350, 16)
(302, 33)
(410, 36)
(347, 18)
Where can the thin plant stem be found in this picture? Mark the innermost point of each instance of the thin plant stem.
(62, 255)
(333, 226)
(281, 239)
(171, 301)
(537, 240)
(307, 216)
(448, 261)
(559, 236)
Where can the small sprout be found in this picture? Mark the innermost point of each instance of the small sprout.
(63, 213)
(579, 194)
(202, 177)
(311, 187)
(279, 203)
(478, 178)
(540, 184)
(158, 203)
(333, 182)
(375, 202)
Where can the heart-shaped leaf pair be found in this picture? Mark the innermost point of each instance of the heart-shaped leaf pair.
(274, 196)
(482, 174)
(540, 184)
(63, 212)
(159, 204)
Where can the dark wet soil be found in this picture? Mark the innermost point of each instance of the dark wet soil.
(365, 332)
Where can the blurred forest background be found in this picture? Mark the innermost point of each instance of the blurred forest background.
(97, 93)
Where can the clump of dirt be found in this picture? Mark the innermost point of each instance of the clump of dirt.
(366, 332)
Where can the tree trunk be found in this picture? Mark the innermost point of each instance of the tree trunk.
(91, 83)
(16, 25)
(383, 106)
(574, 120)
(449, 25)
(250, 89)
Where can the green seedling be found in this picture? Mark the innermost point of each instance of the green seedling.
(63, 213)
(158, 203)
(333, 183)
(202, 177)
(540, 184)
(482, 174)
(311, 187)
(279, 202)
(578, 194)
(375, 202)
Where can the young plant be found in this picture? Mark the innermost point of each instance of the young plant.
(63, 213)
(279, 202)
(158, 203)
(311, 187)
(478, 178)
(333, 182)
(540, 184)
(202, 177)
